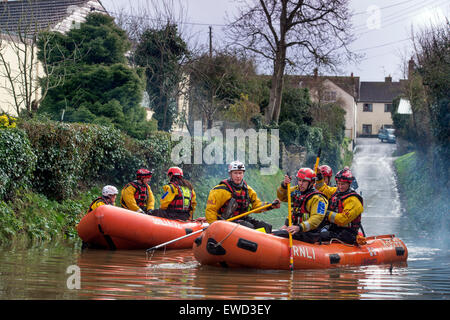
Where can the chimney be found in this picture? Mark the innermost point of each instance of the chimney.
(316, 71)
(410, 68)
(351, 74)
(388, 79)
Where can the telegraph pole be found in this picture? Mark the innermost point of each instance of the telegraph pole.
(210, 41)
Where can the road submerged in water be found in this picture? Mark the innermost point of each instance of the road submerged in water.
(52, 271)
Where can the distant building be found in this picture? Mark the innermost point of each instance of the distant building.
(27, 18)
(341, 90)
(375, 105)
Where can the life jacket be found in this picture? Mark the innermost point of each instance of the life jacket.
(299, 201)
(140, 195)
(242, 198)
(181, 203)
(105, 200)
(336, 204)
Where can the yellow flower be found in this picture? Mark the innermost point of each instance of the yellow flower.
(7, 122)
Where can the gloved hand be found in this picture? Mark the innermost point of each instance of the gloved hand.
(327, 214)
(287, 179)
(276, 204)
(319, 176)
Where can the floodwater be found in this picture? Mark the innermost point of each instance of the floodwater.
(61, 270)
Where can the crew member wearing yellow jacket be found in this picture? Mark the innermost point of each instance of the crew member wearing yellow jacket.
(245, 198)
(344, 209)
(178, 200)
(137, 195)
(308, 205)
(109, 194)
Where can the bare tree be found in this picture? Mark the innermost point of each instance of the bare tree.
(217, 81)
(298, 33)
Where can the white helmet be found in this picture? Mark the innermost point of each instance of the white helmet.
(109, 191)
(236, 165)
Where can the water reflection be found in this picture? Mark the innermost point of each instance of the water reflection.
(40, 273)
(176, 275)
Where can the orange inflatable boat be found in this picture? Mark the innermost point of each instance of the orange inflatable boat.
(229, 244)
(117, 228)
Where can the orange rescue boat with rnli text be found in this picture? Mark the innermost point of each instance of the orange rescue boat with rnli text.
(229, 244)
(114, 228)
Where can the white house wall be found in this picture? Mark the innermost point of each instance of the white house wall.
(349, 106)
(7, 103)
(377, 118)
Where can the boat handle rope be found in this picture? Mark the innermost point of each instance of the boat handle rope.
(342, 242)
(229, 234)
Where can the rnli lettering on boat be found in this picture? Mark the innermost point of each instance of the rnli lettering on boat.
(304, 252)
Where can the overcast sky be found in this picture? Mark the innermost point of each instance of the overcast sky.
(382, 28)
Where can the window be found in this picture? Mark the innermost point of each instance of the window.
(387, 107)
(329, 96)
(367, 107)
(366, 129)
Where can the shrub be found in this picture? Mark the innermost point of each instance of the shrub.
(289, 132)
(17, 162)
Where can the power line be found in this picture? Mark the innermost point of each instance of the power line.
(382, 8)
(384, 45)
(398, 15)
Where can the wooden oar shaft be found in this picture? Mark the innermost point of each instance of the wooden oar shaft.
(198, 231)
(174, 240)
(248, 212)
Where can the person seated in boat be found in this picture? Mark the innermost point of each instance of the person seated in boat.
(308, 207)
(327, 173)
(344, 209)
(178, 200)
(137, 195)
(109, 194)
(232, 197)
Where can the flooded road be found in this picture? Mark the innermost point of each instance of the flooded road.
(51, 271)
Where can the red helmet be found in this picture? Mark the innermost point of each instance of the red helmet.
(175, 171)
(306, 174)
(326, 170)
(144, 173)
(345, 175)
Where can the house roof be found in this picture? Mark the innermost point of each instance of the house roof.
(348, 84)
(36, 15)
(379, 91)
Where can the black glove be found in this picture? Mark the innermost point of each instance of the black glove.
(275, 203)
(319, 176)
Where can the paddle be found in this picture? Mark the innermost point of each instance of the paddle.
(203, 229)
(291, 253)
